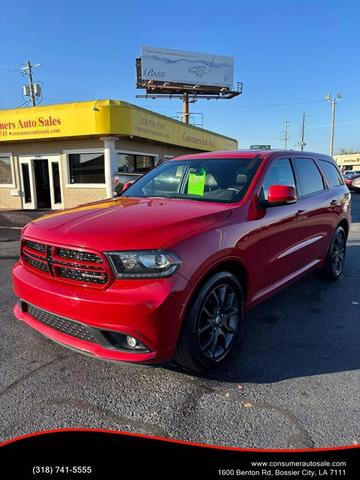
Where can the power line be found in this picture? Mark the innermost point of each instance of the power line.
(9, 63)
(9, 70)
(22, 104)
(255, 105)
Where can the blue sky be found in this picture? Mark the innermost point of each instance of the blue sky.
(289, 54)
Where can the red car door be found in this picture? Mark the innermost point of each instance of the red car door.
(289, 231)
(321, 206)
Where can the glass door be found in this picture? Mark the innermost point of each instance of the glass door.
(55, 184)
(27, 183)
(41, 182)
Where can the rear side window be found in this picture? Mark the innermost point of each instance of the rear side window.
(310, 178)
(280, 173)
(332, 173)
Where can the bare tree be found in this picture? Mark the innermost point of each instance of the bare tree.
(346, 151)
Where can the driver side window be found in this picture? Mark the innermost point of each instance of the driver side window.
(279, 173)
(167, 182)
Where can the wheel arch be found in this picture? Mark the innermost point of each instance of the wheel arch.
(345, 225)
(231, 265)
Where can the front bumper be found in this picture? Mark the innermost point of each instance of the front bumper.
(149, 310)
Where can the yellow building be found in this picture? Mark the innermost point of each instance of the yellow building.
(349, 161)
(59, 156)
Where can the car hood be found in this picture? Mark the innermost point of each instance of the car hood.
(127, 223)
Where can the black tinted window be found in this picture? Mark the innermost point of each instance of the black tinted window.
(332, 173)
(280, 173)
(309, 176)
(86, 168)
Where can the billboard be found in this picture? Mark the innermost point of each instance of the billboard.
(179, 67)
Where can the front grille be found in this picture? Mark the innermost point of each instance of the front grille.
(66, 264)
(61, 324)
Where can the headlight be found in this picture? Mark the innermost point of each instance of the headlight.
(143, 264)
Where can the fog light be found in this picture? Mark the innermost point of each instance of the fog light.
(131, 341)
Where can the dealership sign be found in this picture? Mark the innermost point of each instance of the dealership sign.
(179, 67)
(105, 117)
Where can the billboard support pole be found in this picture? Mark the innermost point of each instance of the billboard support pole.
(185, 114)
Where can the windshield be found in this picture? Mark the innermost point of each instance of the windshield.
(206, 179)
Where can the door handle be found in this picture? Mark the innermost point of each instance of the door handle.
(299, 213)
(334, 202)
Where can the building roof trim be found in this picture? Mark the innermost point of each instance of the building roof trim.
(105, 117)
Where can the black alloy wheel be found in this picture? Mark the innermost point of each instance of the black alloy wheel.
(335, 259)
(338, 252)
(213, 325)
(218, 321)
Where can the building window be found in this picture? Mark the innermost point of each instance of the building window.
(131, 163)
(130, 167)
(86, 168)
(5, 170)
(125, 163)
(144, 163)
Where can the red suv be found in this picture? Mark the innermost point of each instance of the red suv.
(167, 269)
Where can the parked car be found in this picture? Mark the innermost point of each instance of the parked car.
(167, 270)
(349, 177)
(121, 179)
(355, 185)
(351, 173)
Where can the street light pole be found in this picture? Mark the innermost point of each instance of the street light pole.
(333, 102)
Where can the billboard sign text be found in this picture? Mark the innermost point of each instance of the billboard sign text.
(179, 67)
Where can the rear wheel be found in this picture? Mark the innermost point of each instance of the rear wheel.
(212, 327)
(335, 259)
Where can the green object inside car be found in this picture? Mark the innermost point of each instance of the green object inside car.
(196, 183)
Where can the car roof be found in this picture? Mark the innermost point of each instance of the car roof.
(263, 154)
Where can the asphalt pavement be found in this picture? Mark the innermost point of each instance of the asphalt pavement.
(295, 384)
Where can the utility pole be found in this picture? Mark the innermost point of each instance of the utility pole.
(286, 135)
(302, 139)
(28, 70)
(333, 102)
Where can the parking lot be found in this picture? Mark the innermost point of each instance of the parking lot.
(296, 383)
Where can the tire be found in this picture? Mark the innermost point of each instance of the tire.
(212, 328)
(335, 258)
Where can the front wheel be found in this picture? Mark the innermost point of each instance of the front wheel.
(335, 259)
(212, 327)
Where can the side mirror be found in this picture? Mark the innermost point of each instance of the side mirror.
(281, 195)
(127, 185)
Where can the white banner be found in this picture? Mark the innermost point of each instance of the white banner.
(176, 66)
